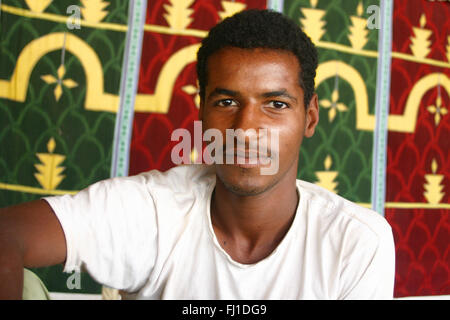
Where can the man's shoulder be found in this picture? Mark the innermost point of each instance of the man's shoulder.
(181, 178)
(336, 208)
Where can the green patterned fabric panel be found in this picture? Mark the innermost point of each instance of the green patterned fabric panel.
(83, 137)
(337, 146)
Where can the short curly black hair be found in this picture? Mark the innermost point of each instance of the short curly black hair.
(253, 29)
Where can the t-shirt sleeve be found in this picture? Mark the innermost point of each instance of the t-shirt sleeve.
(110, 230)
(369, 264)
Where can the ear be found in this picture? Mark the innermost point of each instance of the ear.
(312, 116)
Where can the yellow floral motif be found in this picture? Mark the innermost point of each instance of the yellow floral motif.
(230, 8)
(358, 30)
(434, 187)
(437, 110)
(94, 10)
(333, 105)
(326, 179)
(192, 90)
(420, 45)
(69, 83)
(38, 5)
(312, 22)
(49, 172)
(178, 14)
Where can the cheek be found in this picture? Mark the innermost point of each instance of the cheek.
(290, 140)
(292, 131)
(208, 123)
(213, 119)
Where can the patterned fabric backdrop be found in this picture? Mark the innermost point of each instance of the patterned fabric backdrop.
(60, 88)
(418, 166)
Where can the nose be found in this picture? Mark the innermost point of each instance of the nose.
(246, 125)
(247, 117)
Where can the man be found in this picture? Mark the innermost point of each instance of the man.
(223, 231)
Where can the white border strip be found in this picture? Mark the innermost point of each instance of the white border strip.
(382, 108)
(276, 5)
(128, 87)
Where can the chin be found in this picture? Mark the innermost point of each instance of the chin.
(243, 181)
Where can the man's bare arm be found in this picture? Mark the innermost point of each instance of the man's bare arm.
(30, 236)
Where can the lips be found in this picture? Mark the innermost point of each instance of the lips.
(245, 158)
(242, 153)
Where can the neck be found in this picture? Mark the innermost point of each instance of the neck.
(257, 221)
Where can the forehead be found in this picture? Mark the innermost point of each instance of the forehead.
(260, 64)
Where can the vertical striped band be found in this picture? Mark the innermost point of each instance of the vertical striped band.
(276, 5)
(128, 87)
(382, 107)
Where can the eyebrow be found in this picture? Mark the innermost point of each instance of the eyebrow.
(279, 93)
(224, 92)
(270, 94)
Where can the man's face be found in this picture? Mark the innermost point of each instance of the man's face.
(257, 89)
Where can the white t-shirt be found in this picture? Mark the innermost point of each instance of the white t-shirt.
(151, 235)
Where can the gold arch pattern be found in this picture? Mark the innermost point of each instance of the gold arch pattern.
(405, 122)
(159, 102)
(96, 98)
(326, 70)
(408, 121)
(16, 88)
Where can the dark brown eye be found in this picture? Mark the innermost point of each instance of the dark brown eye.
(226, 103)
(278, 104)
